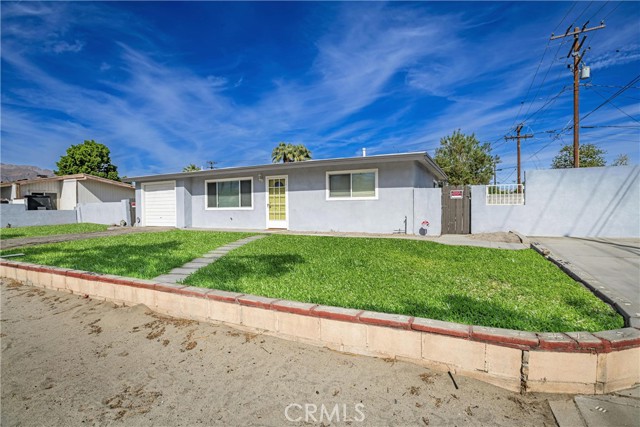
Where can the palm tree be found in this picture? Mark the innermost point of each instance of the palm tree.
(301, 153)
(280, 153)
(286, 153)
(191, 168)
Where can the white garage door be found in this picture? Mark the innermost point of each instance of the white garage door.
(159, 204)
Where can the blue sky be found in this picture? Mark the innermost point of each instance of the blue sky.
(166, 84)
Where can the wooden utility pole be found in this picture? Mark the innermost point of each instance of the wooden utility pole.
(577, 58)
(518, 137)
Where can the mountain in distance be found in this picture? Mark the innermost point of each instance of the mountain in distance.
(10, 173)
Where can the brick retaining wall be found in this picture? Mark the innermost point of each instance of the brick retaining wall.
(573, 362)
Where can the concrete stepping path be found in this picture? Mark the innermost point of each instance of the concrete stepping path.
(181, 273)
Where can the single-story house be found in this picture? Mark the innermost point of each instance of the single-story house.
(68, 191)
(372, 194)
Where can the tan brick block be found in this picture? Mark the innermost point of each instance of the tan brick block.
(32, 278)
(44, 279)
(619, 369)
(59, 281)
(394, 342)
(86, 287)
(73, 284)
(297, 325)
(258, 318)
(194, 308)
(347, 334)
(228, 312)
(9, 272)
(168, 303)
(503, 361)
(144, 296)
(21, 275)
(123, 294)
(562, 367)
(104, 290)
(461, 353)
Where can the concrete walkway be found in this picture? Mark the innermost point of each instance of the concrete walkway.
(621, 409)
(611, 266)
(41, 240)
(445, 239)
(181, 273)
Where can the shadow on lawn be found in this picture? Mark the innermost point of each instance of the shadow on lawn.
(124, 259)
(463, 309)
(227, 272)
(12, 235)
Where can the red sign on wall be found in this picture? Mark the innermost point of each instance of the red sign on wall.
(455, 194)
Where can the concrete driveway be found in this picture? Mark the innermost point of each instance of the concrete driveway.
(615, 263)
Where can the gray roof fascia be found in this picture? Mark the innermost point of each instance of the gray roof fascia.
(421, 157)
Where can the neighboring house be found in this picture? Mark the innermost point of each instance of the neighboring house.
(374, 194)
(66, 192)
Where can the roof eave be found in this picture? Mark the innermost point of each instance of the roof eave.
(422, 157)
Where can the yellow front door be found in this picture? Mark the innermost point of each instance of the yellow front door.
(277, 202)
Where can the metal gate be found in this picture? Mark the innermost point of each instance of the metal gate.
(456, 209)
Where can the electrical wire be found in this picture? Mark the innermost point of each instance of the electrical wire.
(612, 97)
(610, 126)
(540, 63)
(611, 11)
(615, 106)
(598, 11)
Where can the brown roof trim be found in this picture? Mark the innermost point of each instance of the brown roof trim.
(79, 177)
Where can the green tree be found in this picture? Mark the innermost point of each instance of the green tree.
(621, 160)
(465, 160)
(191, 168)
(591, 156)
(91, 158)
(287, 153)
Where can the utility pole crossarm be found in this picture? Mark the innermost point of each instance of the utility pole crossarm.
(518, 137)
(578, 31)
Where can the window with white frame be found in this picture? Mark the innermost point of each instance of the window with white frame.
(234, 193)
(357, 184)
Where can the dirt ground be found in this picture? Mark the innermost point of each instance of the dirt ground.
(499, 236)
(67, 360)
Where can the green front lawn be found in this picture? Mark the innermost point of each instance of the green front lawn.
(49, 230)
(488, 287)
(141, 255)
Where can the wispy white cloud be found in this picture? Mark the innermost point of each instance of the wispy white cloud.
(623, 55)
(64, 46)
(157, 114)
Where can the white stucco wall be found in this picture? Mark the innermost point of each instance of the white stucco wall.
(584, 202)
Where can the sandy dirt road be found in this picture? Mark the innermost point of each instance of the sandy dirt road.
(68, 360)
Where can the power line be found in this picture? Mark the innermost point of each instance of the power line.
(611, 11)
(609, 86)
(548, 103)
(585, 9)
(538, 67)
(612, 97)
(565, 16)
(598, 11)
(615, 106)
(611, 126)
